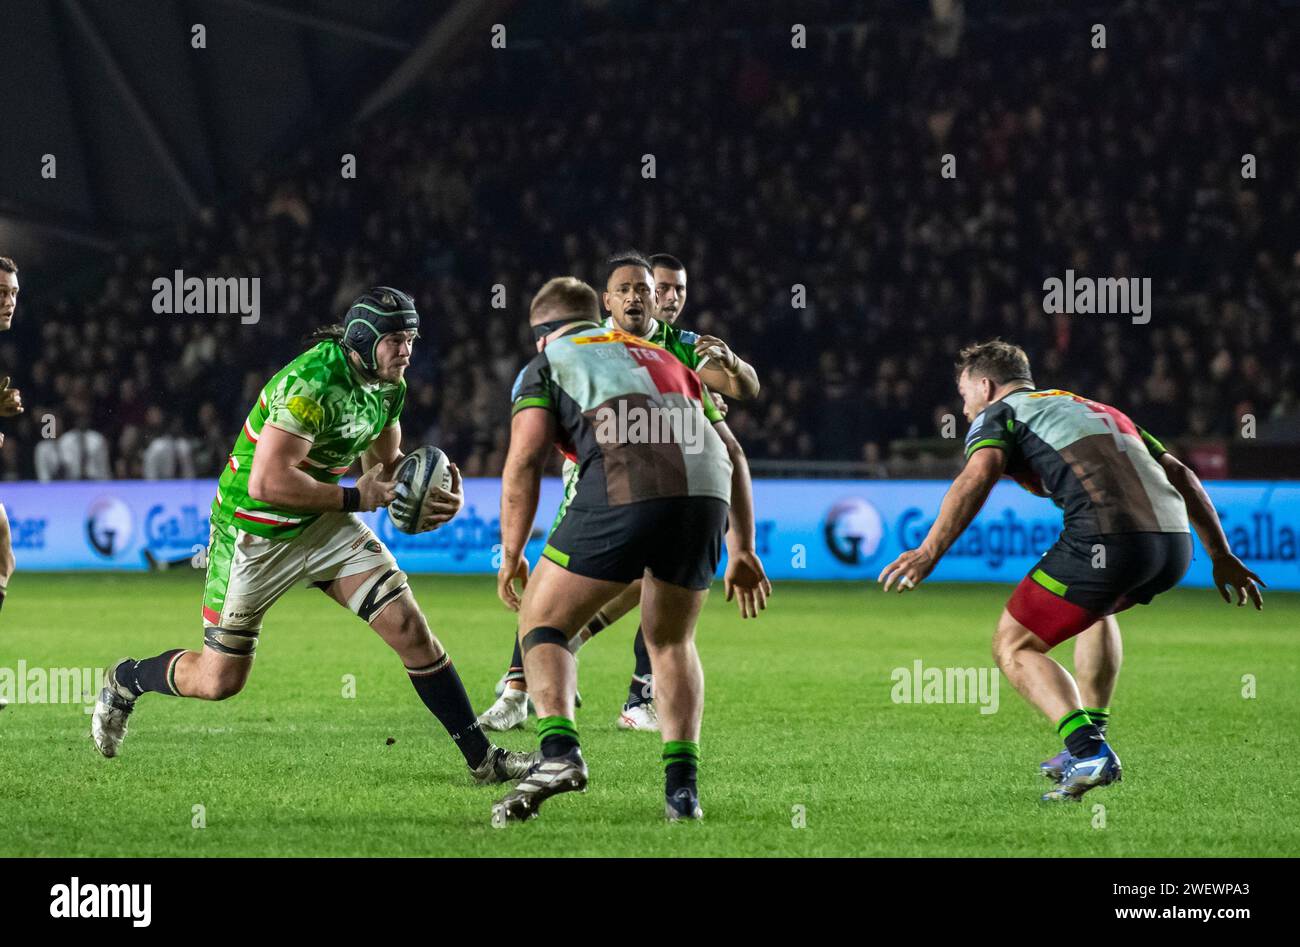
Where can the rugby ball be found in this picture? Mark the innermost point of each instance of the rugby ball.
(416, 472)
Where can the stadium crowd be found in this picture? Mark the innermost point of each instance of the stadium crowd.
(803, 189)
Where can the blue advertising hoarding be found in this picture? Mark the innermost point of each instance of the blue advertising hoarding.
(807, 529)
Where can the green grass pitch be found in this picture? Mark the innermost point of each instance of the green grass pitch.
(798, 719)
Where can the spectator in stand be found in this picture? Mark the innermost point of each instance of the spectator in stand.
(79, 453)
(1122, 162)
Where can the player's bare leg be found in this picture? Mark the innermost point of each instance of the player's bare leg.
(510, 709)
(210, 674)
(403, 627)
(1098, 654)
(555, 604)
(668, 616)
(1022, 656)
(217, 672)
(638, 711)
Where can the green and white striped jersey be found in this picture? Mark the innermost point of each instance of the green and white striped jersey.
(320, 397)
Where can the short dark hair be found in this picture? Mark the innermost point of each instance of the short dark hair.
(626, 258)
(666, 261)
(1000, 362)
(8, 265)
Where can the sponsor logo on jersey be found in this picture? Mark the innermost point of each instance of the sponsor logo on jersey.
(615, 335)
(306, 412)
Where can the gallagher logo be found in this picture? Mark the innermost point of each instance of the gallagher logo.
(853, 531)
(108, 526)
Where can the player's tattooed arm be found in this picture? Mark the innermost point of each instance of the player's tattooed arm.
(725, 371)
(960, 505)
(744, 579)
(1229, 571)
(532, 432)
(277, 479)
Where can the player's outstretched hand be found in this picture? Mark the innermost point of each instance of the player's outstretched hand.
(11, 399)
(1231, 573)
(375, 492)
(506, 575)
(746, 580)
(909, 570)
(441, 505)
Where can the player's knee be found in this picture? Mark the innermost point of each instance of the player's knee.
(412, 629)
(1012, 639)
(225, 663)
(403, 626)
(660, 637)
(1004, 646)
(382, 593)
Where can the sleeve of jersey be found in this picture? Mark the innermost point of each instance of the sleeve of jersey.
(533, 387)
(1153, 445)
(710, 409)
(685, 350)
(399, 402)
(295, 406)
(991, 428)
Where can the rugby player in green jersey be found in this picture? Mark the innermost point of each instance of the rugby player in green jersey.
(1127, 502)
(662, 480)
(722, 371)
(280, 518)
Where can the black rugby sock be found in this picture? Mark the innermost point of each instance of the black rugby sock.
(1082, 738)
(681, 765)
(156, 675)
(516, 672)
(558, 736)
(442, 691)
(641, 690)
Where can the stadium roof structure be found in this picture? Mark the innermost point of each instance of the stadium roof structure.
(146, 125)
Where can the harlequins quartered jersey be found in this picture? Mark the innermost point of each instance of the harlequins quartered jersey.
(318, 396)
(602, 385)
(1099, 467)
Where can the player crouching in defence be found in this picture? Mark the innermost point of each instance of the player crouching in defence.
(280, 518)
(1126, 501)
(651, 503)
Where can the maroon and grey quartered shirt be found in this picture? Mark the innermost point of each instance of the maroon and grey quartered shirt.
(1099, 467)
(638, 422)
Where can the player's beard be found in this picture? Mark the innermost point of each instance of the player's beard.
(639, 324)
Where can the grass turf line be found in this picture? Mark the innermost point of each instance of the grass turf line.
(798, 713)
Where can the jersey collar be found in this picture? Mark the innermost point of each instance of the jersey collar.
(650, 330)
